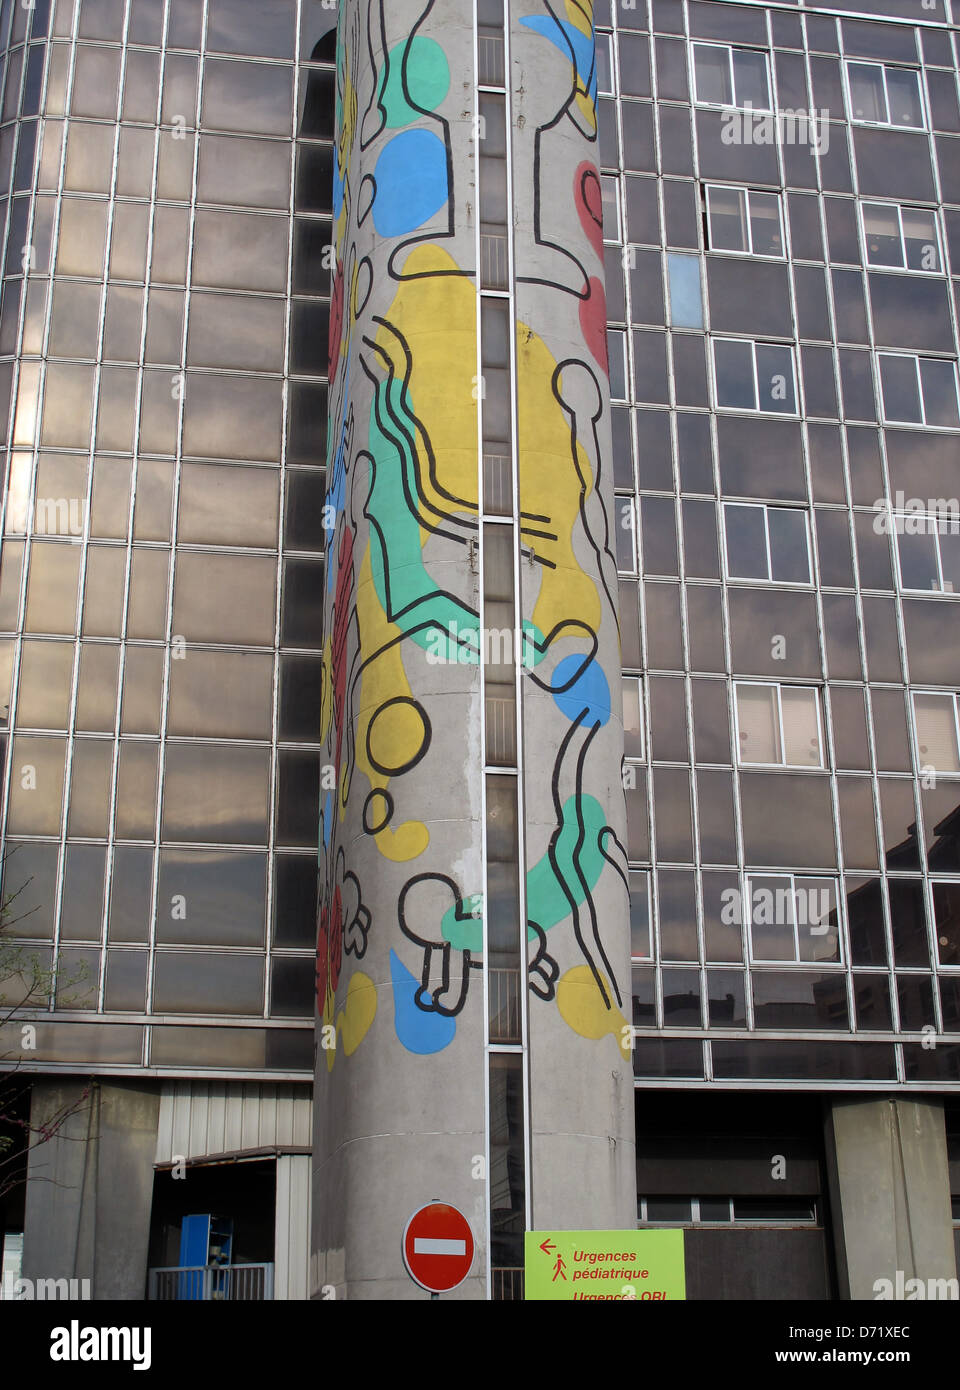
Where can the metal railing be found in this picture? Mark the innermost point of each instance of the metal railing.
(493, 260)
(490, 53)
(497, 484)
(507, 1284)
(504, 986)
(211, 1283)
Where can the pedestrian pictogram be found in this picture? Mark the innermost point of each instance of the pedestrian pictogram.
(438, 1247)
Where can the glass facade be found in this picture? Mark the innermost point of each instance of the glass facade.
(782, 225)
(782, 218)
(166, 170)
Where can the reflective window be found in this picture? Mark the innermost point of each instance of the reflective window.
(793, 918)
(946, 909)
(640, 915)
(884, 95)
(754, 376)
(919, 390)
(744, 220)
(626, 508)
(617, 355)
(928, 552)
(778, 724)
(610, 193)
(726, 76)
(935, 720)
(770, 543)
(633, 721)
(902, 238)
(211, 898)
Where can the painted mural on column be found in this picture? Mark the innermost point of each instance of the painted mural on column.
(578, 892)
(400, 904)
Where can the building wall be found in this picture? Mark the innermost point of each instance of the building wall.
(841, 628)
(166, 195)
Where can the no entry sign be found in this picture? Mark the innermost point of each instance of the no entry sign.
(438, 1247)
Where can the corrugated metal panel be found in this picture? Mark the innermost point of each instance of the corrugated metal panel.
(198, 1118)
(292, 1232)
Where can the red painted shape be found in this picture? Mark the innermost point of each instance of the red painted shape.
(336, 319)
(593, 322)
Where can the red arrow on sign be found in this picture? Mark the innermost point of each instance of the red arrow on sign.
(547, 1246)
(438, 1247)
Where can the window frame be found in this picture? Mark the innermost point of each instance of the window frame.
(779, 686)
(606, 181)
(749, 877)
(903, 269)
(766, 508)
(606, 36)
(754, 344)
(621, 335)
(650, 957)
(730, 49)
(708, 188)
(931, 527)
(884, 67)
(951, 695)
(916, 358)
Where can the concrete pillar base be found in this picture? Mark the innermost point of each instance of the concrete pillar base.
(90, 1188)
(890, 1195)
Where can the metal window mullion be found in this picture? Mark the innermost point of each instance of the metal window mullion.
(273, 795)
(481, 507)
(98, 378)
(518, 615)
(28, 545)
(177, 466)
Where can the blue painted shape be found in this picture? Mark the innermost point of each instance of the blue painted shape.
(411, 176)
(327, 819)
(568, 37)
(338, 191)
(419, 1032)
(590, 689)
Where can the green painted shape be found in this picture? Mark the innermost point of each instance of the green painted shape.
(428, 80)
(446, 628)
(395, 546)
(547, 903)
(580, 1266)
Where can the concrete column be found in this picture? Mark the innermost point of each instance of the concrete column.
(399, 1107)
(581, 1083)
(890, 1196)
(90, 1188)
(402, 1068)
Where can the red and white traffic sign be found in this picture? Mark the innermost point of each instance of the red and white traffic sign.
(438, 1247)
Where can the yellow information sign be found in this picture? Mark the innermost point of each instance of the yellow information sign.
(594, 1266)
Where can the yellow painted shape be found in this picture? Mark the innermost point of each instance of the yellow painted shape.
(383, 680)
(358, 1012)
(585, 103)
(397, 735)
(549, 486)
(326, 691)
(581, 1006)
(577, 17)
(438, 318)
